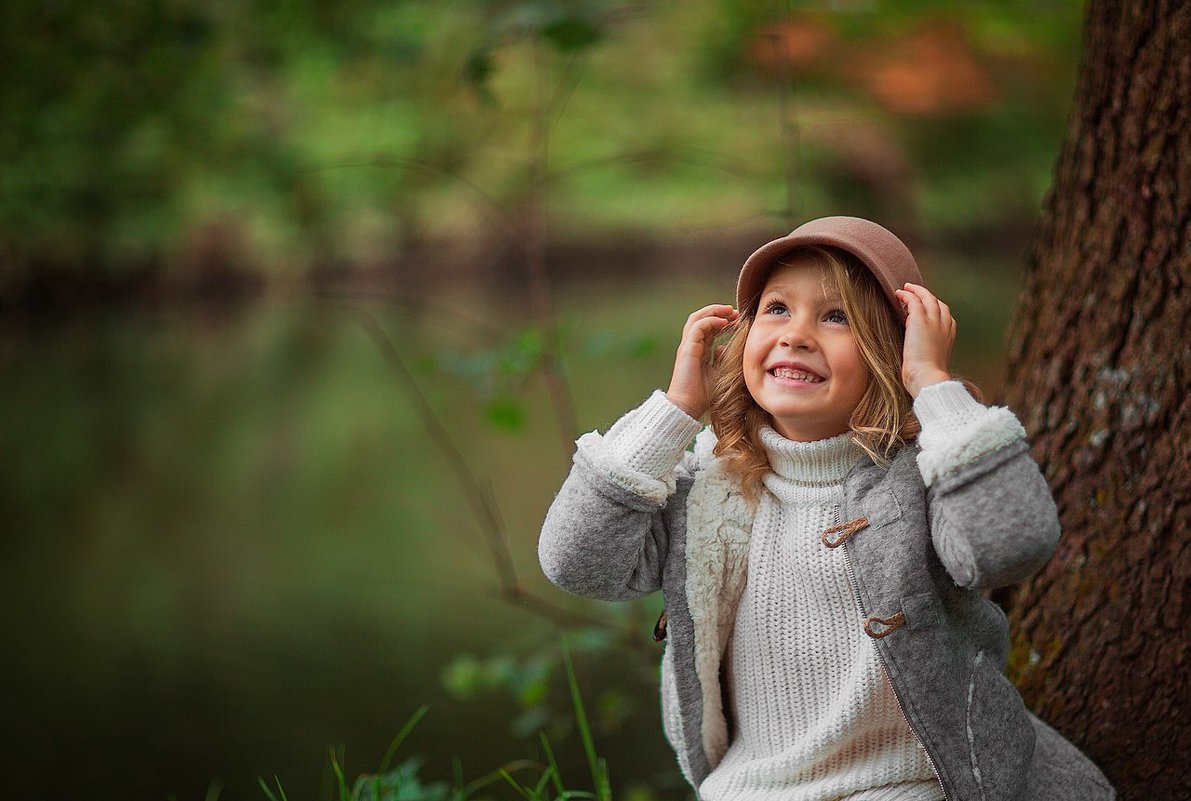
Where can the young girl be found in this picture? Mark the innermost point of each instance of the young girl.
(822, 550)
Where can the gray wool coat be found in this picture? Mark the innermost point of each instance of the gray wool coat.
(917, 561)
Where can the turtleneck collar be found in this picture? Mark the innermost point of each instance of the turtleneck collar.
(808, 471)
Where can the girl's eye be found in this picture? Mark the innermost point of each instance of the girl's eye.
(836, 316)
(775, 307)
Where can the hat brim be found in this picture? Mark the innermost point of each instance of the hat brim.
(885, 256)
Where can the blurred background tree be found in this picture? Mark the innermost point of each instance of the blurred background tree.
(234, 536)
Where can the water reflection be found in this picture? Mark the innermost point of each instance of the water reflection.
(230, 542)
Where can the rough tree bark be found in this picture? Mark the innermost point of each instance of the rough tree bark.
(1100, 357)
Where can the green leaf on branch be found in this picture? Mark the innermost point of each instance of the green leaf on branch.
(464, 677)
(571, 34)
(524, 353)
(505, 414)
(642, 346)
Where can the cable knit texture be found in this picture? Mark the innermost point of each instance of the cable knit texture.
(814, 715)
(652, 437)
(640, 451)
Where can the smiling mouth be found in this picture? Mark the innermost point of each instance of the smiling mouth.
(790, 374)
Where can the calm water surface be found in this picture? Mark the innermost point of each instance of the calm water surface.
(229, 543)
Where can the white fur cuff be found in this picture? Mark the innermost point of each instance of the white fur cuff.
(945, 449)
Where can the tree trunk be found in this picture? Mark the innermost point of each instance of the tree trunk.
(1099, 365)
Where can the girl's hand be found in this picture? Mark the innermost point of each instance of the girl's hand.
(692, 363)
(930, 333)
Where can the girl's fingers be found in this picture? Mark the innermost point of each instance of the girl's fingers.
(705, 325)
(917, 289)
(910, 301)
(693, 361)
(706, 328)
(719, 317)
(714, 311)
(930, 304)
(915, 296)
(930, 334)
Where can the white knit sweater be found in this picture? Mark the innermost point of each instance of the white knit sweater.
(814, 717)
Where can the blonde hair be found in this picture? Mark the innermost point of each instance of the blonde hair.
(882, 422)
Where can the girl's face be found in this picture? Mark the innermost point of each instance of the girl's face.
(801, 362)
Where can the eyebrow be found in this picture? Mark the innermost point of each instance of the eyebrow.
(828, 296)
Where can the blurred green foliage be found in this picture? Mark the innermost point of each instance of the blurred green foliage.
(173, 136)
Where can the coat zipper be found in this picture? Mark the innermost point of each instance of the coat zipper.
(881, 659)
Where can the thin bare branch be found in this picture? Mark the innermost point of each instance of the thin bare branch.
(463, 473)
(478, 493)
(541, 297)
(498, 540)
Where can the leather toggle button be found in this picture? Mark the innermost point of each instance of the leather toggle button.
(838, 534)
(659, 628)
(878, 627)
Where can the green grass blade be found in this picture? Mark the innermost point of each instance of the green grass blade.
(280, 789)
(604, 788)
(265, 788)
(541, 785)
(551, 761)
(515, 785)
(213, 790)
(401, 735)
(344, 795)
(495, 776)
(584, 728)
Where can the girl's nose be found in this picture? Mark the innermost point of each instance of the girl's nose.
(796, 333)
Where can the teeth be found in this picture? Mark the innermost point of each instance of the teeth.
(797, 375)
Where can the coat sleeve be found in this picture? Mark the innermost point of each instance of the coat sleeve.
(993, 520)
(605, 535)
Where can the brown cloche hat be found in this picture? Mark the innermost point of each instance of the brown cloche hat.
(886, 257)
